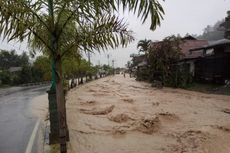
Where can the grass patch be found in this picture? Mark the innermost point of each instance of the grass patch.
(55, 148)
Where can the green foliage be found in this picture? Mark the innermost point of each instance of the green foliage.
(5, 77)
(179, 76)
(143, 45)
(25, 75)
(73, 25)
(71, 67)
(75, 67)
(65, 28)
(37, 72)
(107, 69)
(41, 69)
(163, 57)
(84, 67)
(143, 74)
(226, 25)
(11, 59)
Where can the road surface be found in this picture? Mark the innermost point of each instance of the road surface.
(18, 126)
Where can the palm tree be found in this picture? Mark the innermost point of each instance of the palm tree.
(62, 28)
(143, 45)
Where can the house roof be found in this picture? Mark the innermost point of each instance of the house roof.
(139, 59)
(15, 69)
(213, 44)
(187, 45)
(189, 38)
(143, 63)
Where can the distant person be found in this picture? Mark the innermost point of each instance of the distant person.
(124, 74)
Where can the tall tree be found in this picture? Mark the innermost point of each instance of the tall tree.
(226, 25)
(62, 27)
(9, 59)
(143, 45)
(24, 59)
(162, 57)
(212, 32)
(41, 69)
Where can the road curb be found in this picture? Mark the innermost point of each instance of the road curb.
(51, 148)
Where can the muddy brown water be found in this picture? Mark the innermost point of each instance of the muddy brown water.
(120, 115)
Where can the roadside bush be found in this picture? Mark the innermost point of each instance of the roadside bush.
(143, 74)
(163, 60)
(5, 77)
(179, 77)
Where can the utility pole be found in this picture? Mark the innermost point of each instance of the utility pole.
(108, 58)
(89, 57)
(113, 67)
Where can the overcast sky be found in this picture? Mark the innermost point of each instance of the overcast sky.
(181, 17)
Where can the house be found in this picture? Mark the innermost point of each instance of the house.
(138, 59)
(190, 42)
(188, 57)
(214, 62)
(139, 65)
(14, 69)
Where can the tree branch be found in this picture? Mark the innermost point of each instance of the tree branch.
(59, 15)
(67, 20)
(38, 17)
(41, 39)
(66, 51)
(36, 34)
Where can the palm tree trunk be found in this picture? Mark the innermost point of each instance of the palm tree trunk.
(61, 106)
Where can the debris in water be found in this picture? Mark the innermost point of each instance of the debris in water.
(99, 111)
(149, 125)
(120, 118)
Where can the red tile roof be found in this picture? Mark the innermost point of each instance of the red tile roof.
(190, 44)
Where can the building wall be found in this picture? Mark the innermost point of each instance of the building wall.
(213, 68)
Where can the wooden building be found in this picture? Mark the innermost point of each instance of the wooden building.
(214, 64)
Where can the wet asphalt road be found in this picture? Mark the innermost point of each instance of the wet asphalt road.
(16, 119)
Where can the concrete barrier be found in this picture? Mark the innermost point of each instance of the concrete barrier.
(35, 83)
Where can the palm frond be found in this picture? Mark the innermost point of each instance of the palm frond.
(82, 25)
(106, 31)
(144, 9)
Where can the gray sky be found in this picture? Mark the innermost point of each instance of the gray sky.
(181, 17)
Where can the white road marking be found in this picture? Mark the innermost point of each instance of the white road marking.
(32, 137)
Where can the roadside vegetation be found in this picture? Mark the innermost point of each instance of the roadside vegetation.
(161, 68)
(68, 28)
(18, 69)
(168, 62)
